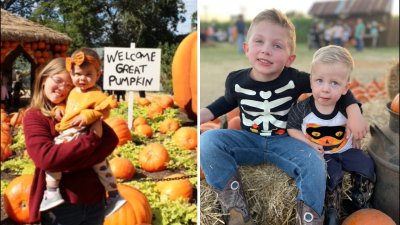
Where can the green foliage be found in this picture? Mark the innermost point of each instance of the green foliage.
(18, 146)
(167, 55)
(4, 184)
(18, 166)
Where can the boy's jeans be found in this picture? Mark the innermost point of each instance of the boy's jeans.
(222, 151)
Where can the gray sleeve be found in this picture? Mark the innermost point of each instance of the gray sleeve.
(295, 116)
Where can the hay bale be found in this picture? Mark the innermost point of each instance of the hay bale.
(270, 193)
(392, 80)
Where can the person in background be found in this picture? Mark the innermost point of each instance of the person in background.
(359, 33)
(4, 92)
(80, 186)
(320, 121)
(374, 33)
(17, 89)
(241, 32)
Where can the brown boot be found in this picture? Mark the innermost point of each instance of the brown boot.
(332, 202)
(307, 216)
(233, 202)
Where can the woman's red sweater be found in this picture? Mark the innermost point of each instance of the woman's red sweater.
(79, 182)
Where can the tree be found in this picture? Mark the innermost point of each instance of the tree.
(22, 8)
(118, 23)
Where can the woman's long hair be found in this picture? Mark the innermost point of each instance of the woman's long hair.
(39, 99)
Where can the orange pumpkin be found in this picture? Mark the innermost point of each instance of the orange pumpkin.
(368, 217)
(17, 118)
(139, 121)
(154, 110)
(165, 101)
(6, 141)
(16, 198)
(169, 125)
(120, 127)
(234, 123)
(154, 157)
(186, 137)
(184, 75)
(4, 116)
(209, 126)
(303, 96)
(122, 168)
(137, 210)
(394, 106)
(175, 189)
(143, 101)
(233, 113)
(144, 130)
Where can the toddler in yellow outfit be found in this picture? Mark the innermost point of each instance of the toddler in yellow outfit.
(86, 103)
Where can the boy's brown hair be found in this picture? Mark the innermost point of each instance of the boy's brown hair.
(277, 17)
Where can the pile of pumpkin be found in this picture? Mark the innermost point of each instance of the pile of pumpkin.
(365, 93)
(40, 51)
(157, 142)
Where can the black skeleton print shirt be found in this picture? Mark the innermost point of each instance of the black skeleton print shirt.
(264, 106)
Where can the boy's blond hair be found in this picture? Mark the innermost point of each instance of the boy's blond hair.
(277, 17)
(333, 54)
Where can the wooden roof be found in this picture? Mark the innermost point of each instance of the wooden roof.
(15, 28)
(350, 7)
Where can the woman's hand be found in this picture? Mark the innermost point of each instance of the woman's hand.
(97, 128)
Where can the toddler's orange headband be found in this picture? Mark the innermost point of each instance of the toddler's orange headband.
(79, 58)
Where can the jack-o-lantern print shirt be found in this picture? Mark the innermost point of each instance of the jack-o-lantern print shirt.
(325, 130)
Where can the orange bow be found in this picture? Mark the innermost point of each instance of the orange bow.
(78, 59)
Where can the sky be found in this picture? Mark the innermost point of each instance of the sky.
(191, 7)
(222, 10)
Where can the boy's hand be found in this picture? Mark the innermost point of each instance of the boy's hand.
(356, 143)
(58, 114)
(318, 148)
(78, 121)
(357, 126)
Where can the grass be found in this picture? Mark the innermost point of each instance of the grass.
(218, 60)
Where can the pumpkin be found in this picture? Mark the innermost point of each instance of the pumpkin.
(234, 123)
(143, 101)
(368, 217)
(174, 189)
(303, 96)
(123, 216)
(394, 106)
(154, 157)
(16, 118)
(120, 127)
(144, 130)
(186, 137)
(16, 198)
(137, 210)
(353, 83)
(209, 126)
(233, 113)
(139, 121)
(169, 125)
(164, 101)
(122, 168)
(6, 141)
(184, 75)
(154, 110)
(4, 116)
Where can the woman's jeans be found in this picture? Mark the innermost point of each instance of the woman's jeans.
(74, 214)
(223, 150)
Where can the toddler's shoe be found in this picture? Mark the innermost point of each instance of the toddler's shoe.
(113, 204)
(50, 200)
